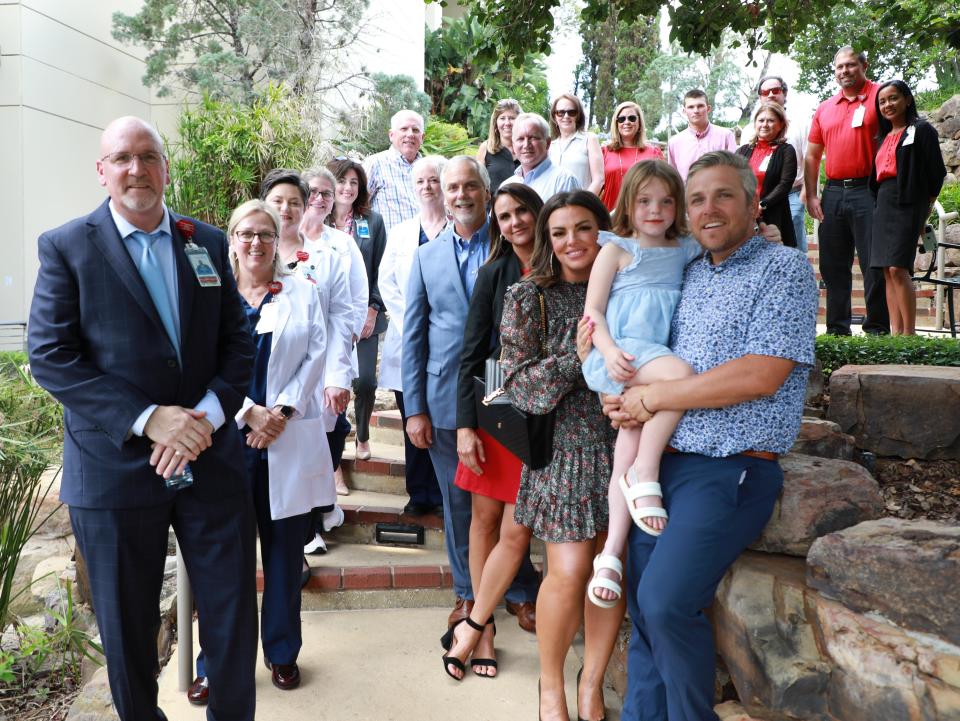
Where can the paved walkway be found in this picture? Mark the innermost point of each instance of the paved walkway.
(384, 665)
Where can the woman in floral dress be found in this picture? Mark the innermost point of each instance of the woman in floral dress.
(565, 503)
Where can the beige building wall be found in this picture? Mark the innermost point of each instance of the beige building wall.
(62, 79)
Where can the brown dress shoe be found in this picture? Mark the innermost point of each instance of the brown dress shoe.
(286, 676)
(199, 692)
(526, 614)
(461, 611)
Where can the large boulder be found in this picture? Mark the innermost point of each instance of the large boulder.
(764, 634)
(819, 496)
(882, 672)
(908, 571)
(823, 438)
(899, 410)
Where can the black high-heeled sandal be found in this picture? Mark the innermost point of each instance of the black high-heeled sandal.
(447, 642)
(579, 674)
(491, 662)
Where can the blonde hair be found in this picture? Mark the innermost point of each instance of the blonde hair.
(634, 181)
(616, 141)
(494, 143)
(244, 210)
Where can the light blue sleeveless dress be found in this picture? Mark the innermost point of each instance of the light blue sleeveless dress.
(641, 304)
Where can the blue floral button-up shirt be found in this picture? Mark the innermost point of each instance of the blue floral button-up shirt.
(761, 300)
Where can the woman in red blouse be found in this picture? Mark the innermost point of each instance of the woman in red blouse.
(774, 162)
(627, 147)
(907, 175)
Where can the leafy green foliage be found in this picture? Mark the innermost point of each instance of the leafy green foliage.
(875, 27)
(227, 49)
(698, 25)
(930, 100)
(446, 139)
(464, 87)
(31, 431)
(836, 351)
(225, 149)
(950, 198)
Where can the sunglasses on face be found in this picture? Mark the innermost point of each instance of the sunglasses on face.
(771, 91)
(568, 113)
(627, 119)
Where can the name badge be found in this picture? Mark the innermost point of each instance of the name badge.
(363, 229)
(858, 117)
(764, 164)
(268, 318)
(911, 131)
(207, 275)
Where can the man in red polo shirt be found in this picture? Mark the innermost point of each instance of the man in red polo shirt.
(845, 126)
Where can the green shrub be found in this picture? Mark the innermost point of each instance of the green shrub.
(31, 433)
(369, 134)
(930, 100)
(950, 197)
(224, 150)
(836, 351)
(446, 139)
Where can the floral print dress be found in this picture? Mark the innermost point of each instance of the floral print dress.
(567, 500)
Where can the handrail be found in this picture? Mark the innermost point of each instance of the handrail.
(943, 219)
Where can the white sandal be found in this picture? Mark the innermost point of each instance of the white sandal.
(639, 490)
(611, 563)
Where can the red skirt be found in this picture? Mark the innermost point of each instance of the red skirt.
(501, 472)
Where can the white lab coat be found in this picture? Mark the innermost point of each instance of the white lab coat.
(402, 242)
(323, 267)
(301, 471)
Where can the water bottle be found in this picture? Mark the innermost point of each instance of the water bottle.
(182, 480)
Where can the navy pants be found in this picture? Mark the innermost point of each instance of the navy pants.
(125, 550)
(717, 507)
(337, 439)
(281, 554)
(848, 225)
(422, 485)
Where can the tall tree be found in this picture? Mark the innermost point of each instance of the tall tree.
(617, 54)
(226, 49)
(464, 89)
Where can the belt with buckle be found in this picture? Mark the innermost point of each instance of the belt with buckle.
(848, 182)
(762, 455)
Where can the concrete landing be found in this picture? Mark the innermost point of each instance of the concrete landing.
(384, 665)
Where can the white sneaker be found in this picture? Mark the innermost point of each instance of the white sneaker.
(316, 547)
(332, 519)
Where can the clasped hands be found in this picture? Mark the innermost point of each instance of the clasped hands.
(626, 410)
(179, 436)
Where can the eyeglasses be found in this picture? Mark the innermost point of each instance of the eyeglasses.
(771, 91)
(125, 160)
(627, 119)
(572, 113)
(325, 194)
(265, 236)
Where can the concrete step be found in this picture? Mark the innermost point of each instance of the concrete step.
(383, 472)
(387, 427)
(384, 665)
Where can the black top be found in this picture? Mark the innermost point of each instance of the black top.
(481, 335)
(777, 184)
(500, 165)
(920, 168)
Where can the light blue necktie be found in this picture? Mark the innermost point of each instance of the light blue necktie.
(152, 275)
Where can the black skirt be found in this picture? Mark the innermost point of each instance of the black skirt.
(896, 229)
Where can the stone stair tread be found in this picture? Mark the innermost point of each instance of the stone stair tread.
(379, 451)
(356, 555)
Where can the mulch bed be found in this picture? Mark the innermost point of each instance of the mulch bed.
(50, 701)
(920, 489)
